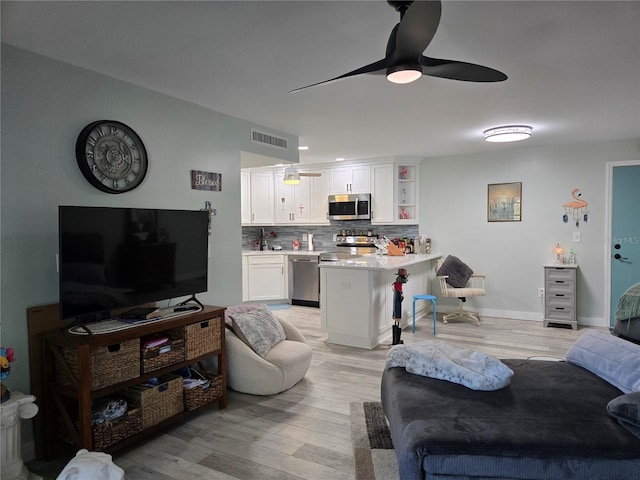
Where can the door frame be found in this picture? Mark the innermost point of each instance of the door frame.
(609, 234)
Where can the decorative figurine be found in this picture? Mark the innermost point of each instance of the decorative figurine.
(402, 277)
(6, 357)
(91, 466)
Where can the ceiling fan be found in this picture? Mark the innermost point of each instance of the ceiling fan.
(292, 175)
(404, 61)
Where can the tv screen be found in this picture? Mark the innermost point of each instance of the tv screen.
(114, 258)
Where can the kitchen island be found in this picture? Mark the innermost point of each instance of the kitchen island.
(356, 296)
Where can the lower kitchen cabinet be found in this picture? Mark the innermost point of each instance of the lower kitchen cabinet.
(267, 277)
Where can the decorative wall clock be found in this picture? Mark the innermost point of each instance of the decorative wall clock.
(111, 156)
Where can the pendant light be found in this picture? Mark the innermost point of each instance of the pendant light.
(291, 176)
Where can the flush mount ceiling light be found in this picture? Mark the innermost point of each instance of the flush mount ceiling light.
(291, 176)
(509, 133)
(402, 74)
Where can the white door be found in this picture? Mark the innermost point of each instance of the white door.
(624, 244)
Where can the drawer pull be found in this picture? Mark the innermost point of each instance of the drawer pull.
(559, 294)
(559, 281)
(559, 308)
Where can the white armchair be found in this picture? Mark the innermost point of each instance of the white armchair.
(280, 369)
(474, 288)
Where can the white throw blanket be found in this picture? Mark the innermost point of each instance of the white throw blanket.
(444, 361)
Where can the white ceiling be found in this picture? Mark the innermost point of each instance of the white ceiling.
(573, 67)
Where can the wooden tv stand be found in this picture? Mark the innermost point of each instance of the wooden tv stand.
(73, 403)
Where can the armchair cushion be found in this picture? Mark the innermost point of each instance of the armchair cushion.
(458, 272)
(258, 329)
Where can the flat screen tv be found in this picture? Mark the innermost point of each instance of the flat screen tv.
(114, 258)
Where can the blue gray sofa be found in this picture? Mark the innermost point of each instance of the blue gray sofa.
(551, 422)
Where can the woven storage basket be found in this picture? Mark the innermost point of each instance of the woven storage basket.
(107, 433)
(203, 337)
(109, 364)
(158, 402)
(200, 395)
(155, 358)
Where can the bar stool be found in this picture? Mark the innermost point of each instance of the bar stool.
(424, 297)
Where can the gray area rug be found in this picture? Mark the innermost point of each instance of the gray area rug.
(373, 451)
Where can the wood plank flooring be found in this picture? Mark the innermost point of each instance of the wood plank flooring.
(304, 433)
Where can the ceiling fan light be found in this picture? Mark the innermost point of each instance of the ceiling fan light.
(402, 74)
(291, 176)
(509, 133)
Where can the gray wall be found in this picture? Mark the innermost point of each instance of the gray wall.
(453, 213)
(45, 104)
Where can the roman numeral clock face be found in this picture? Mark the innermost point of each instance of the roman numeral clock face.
(111, 156)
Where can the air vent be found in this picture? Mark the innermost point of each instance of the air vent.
(267, 139)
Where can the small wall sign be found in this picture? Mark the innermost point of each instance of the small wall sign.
(206, 181)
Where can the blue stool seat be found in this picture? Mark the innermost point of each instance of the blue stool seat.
(424, 297)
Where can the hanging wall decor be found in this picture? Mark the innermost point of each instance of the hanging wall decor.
(576, 208)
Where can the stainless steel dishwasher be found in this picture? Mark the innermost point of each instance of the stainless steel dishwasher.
(306, 280)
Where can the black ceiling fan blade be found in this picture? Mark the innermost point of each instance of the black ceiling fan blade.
(376, 67)
(454, 70)
(417, 28)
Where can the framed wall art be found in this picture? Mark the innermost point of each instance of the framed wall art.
(504, 202)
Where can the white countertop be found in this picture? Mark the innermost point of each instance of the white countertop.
(381, 262)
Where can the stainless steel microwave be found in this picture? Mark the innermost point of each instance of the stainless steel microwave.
(350, 206)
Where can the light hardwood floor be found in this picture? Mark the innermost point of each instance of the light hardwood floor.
(304, 433)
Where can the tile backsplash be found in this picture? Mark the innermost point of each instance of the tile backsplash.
(283, 235)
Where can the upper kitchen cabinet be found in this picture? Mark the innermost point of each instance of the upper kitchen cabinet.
(293, 203)
(319, 197)
(245, 197)
(257, 197)
(382, 197)
(350, 179)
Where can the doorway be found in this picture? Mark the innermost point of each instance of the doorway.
(622, 246)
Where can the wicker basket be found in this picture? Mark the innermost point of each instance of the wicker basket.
(197, 396)
(155, 358)
(202, 338)
(158, 402)
(107, 433)
(109, 364)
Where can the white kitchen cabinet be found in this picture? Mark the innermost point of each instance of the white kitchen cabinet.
(350, 179)
(261, 197)
(245, 197)
(382, 197)
(245, 278)
(267, 277)
(292, 202)
(319, 197)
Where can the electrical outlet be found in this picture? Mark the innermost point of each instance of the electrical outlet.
(335, 237)
(541, 292)
(576, 237)
(304, 237)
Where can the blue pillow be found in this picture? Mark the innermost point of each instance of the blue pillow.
(611, 358)
(626, 409)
